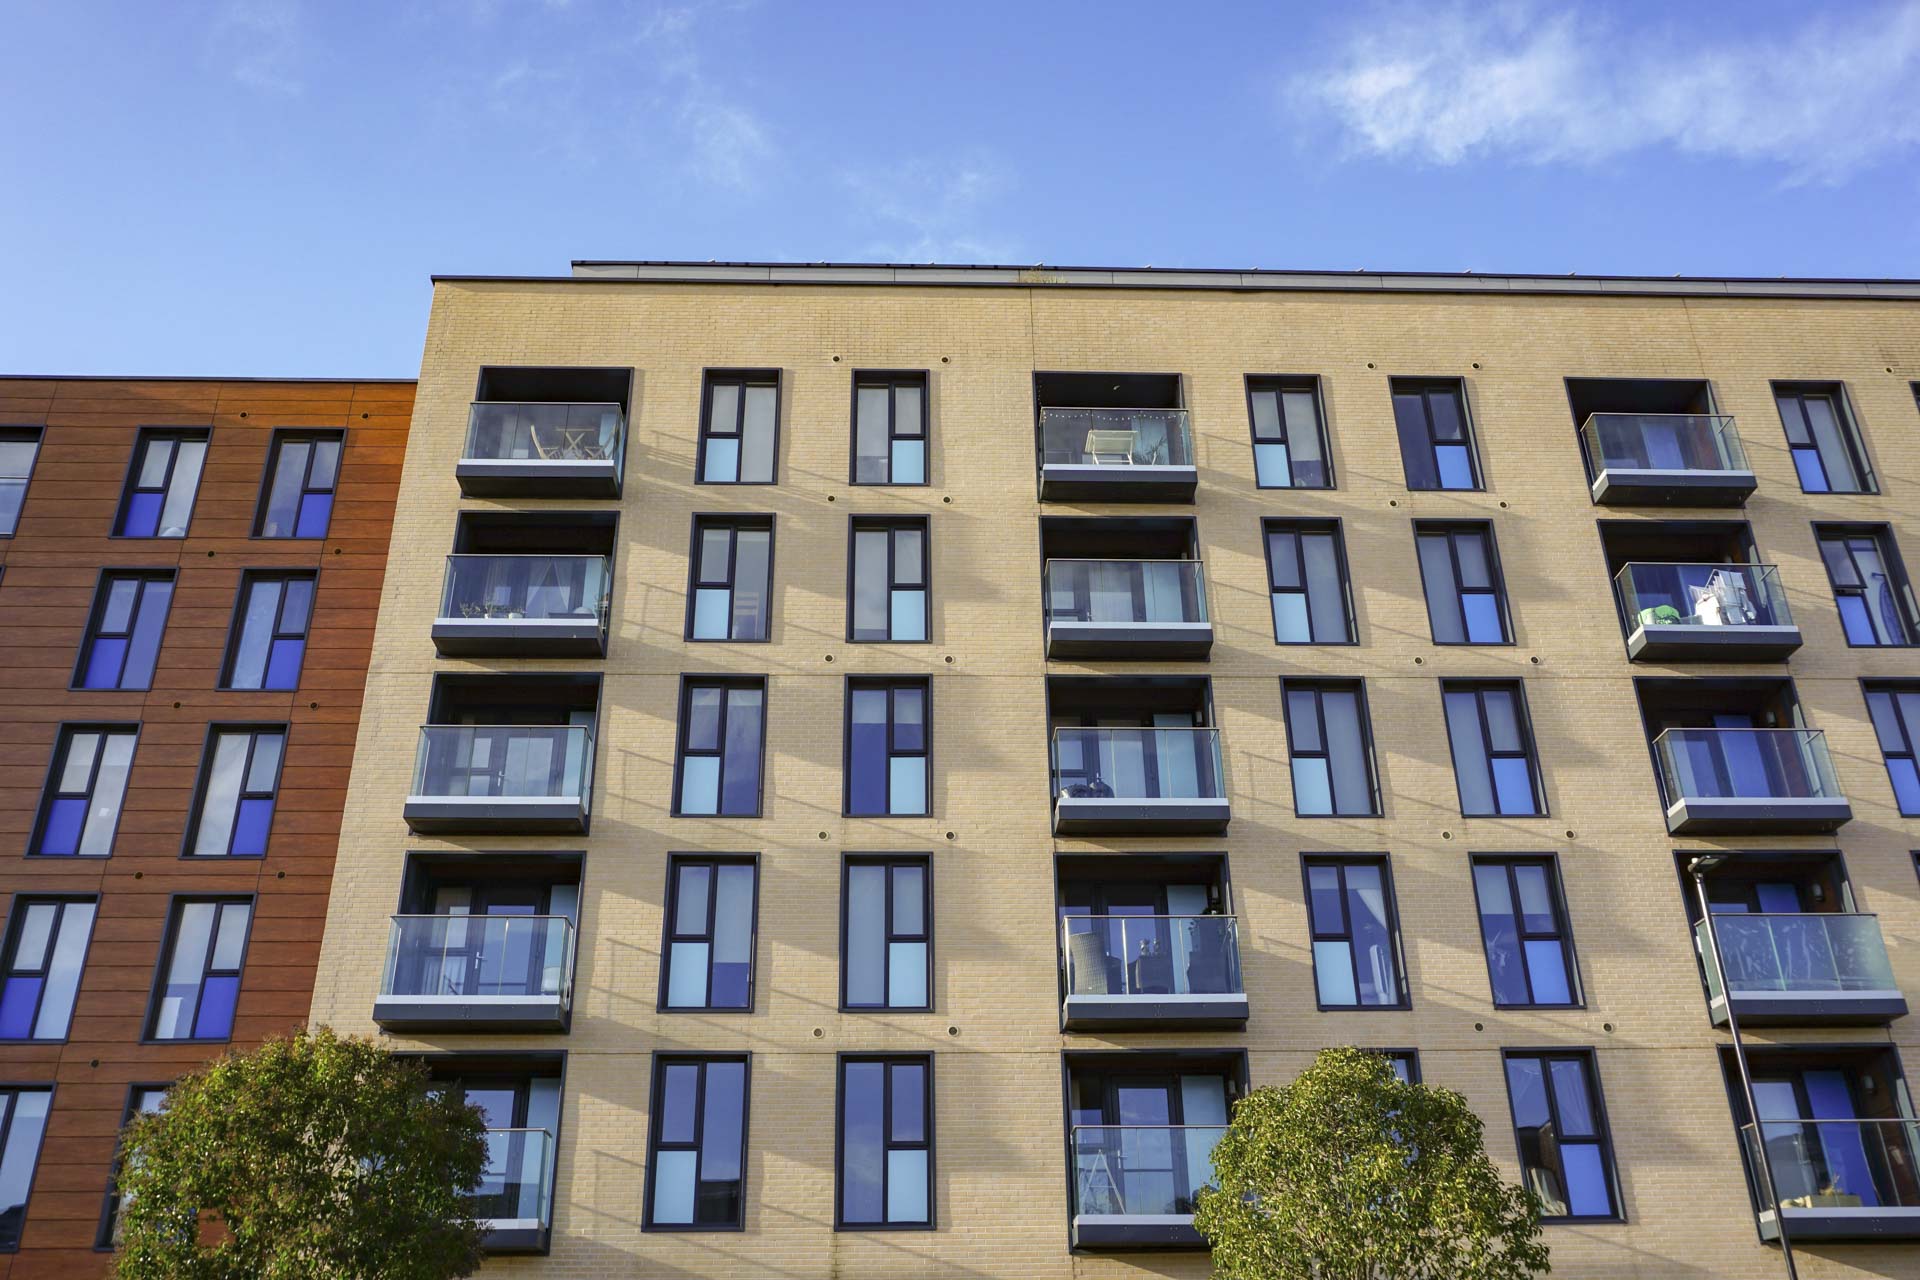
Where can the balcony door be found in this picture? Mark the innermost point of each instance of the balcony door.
(1146, 1140)
(1140, 941)
(1822, 1165)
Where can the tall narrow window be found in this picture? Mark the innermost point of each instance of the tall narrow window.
(142, 1100)
(888, 596)
(697, 1147)
(1331, 749)
(123, 633)
(298, 502)
(889, 428)
(23, 1122)
(18, 449)
(721, 728)
(200, 970)
(1895, 709)
(887, 747)
(162, 484)
(1289, 442)
(1355, 933)
(84, 791)
(732, 573)
(45, 951)
(886, 933)
(1461, 573)
(740, 427)
(1307, 572)
(886, 1142)
(239, 777)
(1561, 1133)
(711, 904)
(1869, 584)
(1493, 762)
(1524, 925)
(269, 639)
(1436, 439)
(1826, 447)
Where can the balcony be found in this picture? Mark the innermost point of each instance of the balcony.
(477, 973)
(1138, 782)
(1152, 973)
(1116, 455)
(1134, 1186)
(1817, 969)
(1666, 459)
(1838, 1180)
(536, 449)
(1749, 781)
(514, 1200)
(1127, 609)
(501, 779)
(523, 606)
(1705, 613)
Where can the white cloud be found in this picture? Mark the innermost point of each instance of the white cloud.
(1447, 83)
(726, 142)
(930, 208)
(258, 41)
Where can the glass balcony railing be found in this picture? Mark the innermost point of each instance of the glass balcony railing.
(1125, 591)
(1138, 764)
(1838, 1164)
(538, 431)
(525, 587)
(1702, 595)
(1746, 764)
(1810, 953)
(516, 1185)
(1115, 438)
(480, 957)
(1151, 955)
(537, 761)
(1663, 442)
(1140, 1170)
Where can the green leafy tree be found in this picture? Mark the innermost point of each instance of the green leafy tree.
(1348, 1174)
(311, 1158)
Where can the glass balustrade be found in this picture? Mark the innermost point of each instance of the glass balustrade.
(1702, 595)
(480, 957)
(524, 761)
(1838, 1164)
(541, 431)
(1663, 442)
(1808, 953)
(1142, 955)
(1746, 764)
(1125, 591)
(525, 588)
(1138, 764)
(1115, 438)
(1141, 1170)
(515, 1186)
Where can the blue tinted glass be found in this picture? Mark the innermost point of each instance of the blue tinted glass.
(676, 1102)
(1456, 469)
(250, 828)
(17, 1006)
(730, 985)
(909, 1103)
(1547, 966)
(283, 664)
(1513, 783)
(214, 1020)
(145, 649)
(1906, 785)
(1483, 618)
(297, 606)
(1857, 619)
(1312, 789)
(315, 510)
(65, 817)
(1502, 939)
(1587, 1191)
(1270, 467)
(143, 515)
(1813, 476)
(103, 664)
(862, 1142)
(867, 753)
(1527, 1092)
(720, 1137)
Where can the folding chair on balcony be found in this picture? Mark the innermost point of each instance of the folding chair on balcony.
(1112, 447)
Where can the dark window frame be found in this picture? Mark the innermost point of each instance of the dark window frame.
(1453, 530)
(96, 615)
(1257, 383)
(296, 435)
(1603, 1131)
(1853, 439)
(249, 578)
(205, 776)
(892, 380)
(176, 910)
(668, 935)
(891, 862)
(1530, 747)
(892, 685)
(17, 1087)
(1270, 525)
(10, 948)
(1408, 1055)
(14, 433)
(656, 1104)
(1396, 943)
(742, 378)
(1562, 918)
(131, 484)
(1318, 687)
(49, 791)
(892, 525)
(110, 1210)
(1882, 535)
(1426, 387)
(734, 523)
(688, 683)
(928, 1144)
(1892, 687)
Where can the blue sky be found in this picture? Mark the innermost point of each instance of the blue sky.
(262, 187)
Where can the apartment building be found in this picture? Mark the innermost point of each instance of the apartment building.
(189, 572)
(862, 766)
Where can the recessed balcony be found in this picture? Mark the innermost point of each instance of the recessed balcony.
(1152, 973)
(1705, 613)
(1116, 455)
(1135, 1186)
(523, 606)
(1666, 459)
(1838, 1180)
(501, 779)
(477, 973)
(1808, 969)
(542, 449)
(1749, 781)
(514, 1201)
(1103, 609)
(1138, 782)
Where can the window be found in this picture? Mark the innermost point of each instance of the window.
(1524, 925)
(1436, 441)
(269, 631)
(1561, 1131)
(1461, 572)
(1307, 572)
(887, 747)
(1821, 435)
(697, 1149)
(889, 428)
(1331, 749)
(886, 938)
(23, 1121)
(200, 970)
(1895, 710)
(1493, 765)
(46, 948)
(123, 632)
(885, 1156)
(887, 598)
(18, 449)
(1405, 1063)
(1869, 585)
(1289, 444)
(1355, 933)
(239, 777)
(740, 427)
(142, 1100)
(732, 578)
(298, 502)
(721, 723)
(84, 790)
(711, 907)
(162, 484)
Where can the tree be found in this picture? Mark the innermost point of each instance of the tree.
(310, 1158)
(1347, 1173)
